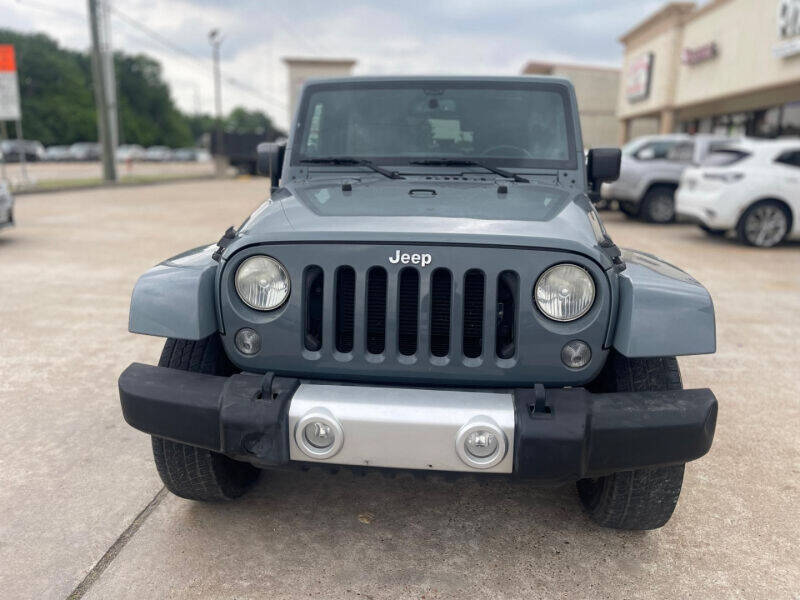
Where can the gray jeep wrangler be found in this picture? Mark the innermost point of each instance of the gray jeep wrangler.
(428, 288)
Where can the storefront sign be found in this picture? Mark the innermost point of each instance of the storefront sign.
(788, 29)
(9, 86)
(693, 56)
(637, 78)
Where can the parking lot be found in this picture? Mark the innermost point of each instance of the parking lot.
(66, 173)
(83, 509)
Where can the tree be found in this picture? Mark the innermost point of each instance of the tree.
(58, 104)
(147, 115)
(57, 101)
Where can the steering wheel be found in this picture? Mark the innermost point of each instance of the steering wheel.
(521, 151)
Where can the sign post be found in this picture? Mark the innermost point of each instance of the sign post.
(9, 98)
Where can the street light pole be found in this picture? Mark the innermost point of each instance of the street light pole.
(215, 39)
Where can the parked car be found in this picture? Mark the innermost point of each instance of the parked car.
(158, 154)
(752, 188)
(57, 153)
(130, 152)
(14, 150)
(85, 151)
(6, 206)
(191, 155)
(412, 298)
(651, 170)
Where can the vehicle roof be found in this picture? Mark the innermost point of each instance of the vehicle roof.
(453, 78)
(766, 148)
(769, 144)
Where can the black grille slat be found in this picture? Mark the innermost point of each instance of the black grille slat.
(376, 310)
(345, 308)
(474, 287)
(462, 312)
(313, 281)
(441, 298)
(408, 311)
(507, 293)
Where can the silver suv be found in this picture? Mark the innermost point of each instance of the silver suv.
(650, 172)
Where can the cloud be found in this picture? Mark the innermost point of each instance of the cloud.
(434, 36)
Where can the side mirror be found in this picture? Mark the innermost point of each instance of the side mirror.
(603, 165)
(270, 161)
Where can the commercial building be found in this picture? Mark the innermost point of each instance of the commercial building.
(301, 69)
(596, 88)
(728, 66)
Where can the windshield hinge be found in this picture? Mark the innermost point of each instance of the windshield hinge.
(224, 242)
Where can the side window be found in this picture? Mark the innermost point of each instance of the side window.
(791, 158)
(683, 152)
(654, 151)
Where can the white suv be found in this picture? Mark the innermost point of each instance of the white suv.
(650, 171)
(752, 187)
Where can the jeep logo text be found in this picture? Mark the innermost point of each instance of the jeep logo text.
(423, 260)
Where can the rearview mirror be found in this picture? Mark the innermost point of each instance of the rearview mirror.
(270, 161)
(603, 165)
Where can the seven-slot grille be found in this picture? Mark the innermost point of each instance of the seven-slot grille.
(412, 312)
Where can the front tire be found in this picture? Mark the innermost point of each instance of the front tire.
(642, 498)
(196, 473)
(658, 205)
(764, 225)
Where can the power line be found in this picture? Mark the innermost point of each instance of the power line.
(200, 62)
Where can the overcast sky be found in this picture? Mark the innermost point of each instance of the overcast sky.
(434, 36)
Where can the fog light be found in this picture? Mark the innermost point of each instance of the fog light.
(318, 434)
(480, 443)
(576, 354)
(247, 341)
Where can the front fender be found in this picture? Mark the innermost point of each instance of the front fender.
(176, 298)
(663, 311)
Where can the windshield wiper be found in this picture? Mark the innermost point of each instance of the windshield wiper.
(347, 160)
(458, 162)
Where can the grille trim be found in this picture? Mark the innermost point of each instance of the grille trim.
(539, 341)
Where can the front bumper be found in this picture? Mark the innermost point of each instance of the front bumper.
(552, 435)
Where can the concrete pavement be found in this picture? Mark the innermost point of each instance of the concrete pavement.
(79, 485)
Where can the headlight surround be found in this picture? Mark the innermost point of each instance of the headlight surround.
(262, 282)
(564, 292)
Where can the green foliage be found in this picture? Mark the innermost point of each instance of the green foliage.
(58, 102)
(147, 115)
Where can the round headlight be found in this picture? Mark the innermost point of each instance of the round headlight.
(262, 283)
(564, 292)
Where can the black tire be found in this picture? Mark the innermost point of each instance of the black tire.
(642, 498)
(629, 209)
(658, 204)
(713, 232)
(190, 472)
(783, 217)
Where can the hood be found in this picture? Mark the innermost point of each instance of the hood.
(423, 210)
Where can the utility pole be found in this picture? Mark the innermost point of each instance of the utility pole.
(215, 39)
(104, 88)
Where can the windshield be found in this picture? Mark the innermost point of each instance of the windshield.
(514, 124)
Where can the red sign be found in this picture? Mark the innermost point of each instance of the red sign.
(9, 86)
(637, 77)
(693, 56)
(7, 62)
